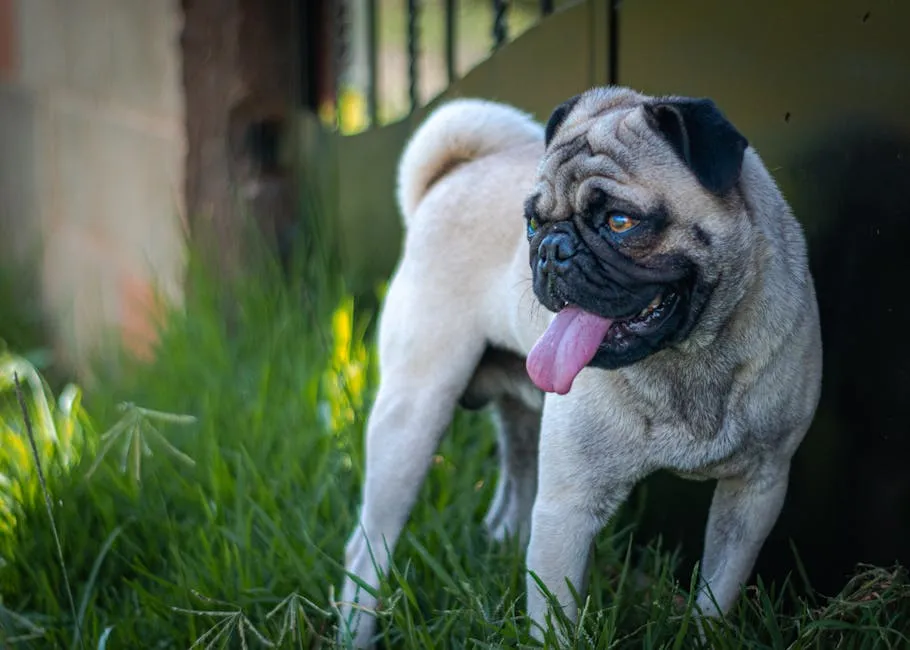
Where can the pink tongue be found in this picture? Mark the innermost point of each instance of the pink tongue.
(565, 348)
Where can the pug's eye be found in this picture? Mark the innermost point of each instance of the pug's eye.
(532, 227)
(620, 223)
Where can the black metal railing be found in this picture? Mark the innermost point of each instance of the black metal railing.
(450, 36)
(500, 30)
(341, 16)
(413, 51)
(372, 62)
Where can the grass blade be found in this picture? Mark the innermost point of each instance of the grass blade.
(93, 576)
(50, 509)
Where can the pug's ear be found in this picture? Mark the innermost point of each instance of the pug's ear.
(559, 115)
(702, 137)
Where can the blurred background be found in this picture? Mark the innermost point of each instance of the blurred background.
(260, 138)
(124, 123)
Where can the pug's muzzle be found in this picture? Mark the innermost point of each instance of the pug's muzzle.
(610, 310)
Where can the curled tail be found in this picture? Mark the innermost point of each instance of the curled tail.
(457, 132)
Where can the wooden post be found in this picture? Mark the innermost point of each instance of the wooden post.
(247, 66)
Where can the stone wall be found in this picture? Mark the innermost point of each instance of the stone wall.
(92, 153)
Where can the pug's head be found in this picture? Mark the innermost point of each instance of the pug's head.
(636, 220)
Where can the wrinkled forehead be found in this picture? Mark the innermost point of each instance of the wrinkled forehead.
(611, 148)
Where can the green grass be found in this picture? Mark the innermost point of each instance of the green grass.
(240, 545)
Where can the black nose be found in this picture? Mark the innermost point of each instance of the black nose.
(555, 250)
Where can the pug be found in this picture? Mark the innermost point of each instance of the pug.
(627, 290)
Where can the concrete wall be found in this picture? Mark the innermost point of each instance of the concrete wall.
(92, 151)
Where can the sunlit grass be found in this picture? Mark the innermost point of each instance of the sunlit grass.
(58, 427)
(346, 374)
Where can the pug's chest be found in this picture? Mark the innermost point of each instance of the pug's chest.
(692, 428)
(680, 408)
(711, 447)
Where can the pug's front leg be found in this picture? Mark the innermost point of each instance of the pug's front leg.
(743, 511)
(559, 553)
(575, 499)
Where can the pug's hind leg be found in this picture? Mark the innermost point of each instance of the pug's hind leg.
(743, 512)
(413, 408)
(518, 427)
(502, 380)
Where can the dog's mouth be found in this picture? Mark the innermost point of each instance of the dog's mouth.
(647, 320)
(575, 336)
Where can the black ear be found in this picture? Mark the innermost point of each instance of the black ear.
(703, 138)
(560, 113)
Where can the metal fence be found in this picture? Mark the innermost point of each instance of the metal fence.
(346, 41)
